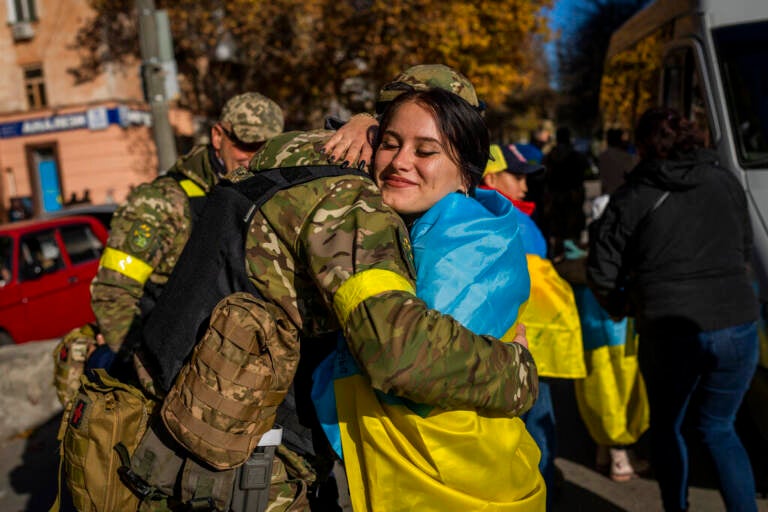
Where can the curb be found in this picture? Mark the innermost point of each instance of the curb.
(27, 395)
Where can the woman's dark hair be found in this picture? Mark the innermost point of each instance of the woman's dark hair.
(663, 134)
(460, 124)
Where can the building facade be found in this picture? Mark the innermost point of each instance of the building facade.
(62, 141)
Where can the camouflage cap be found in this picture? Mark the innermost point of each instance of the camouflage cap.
(252, 117)
(428, 76)
(292, 149)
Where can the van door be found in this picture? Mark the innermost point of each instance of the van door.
(742, 54)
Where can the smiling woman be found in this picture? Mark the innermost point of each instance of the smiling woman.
(470, 263)
(422, 156)
(413, 166)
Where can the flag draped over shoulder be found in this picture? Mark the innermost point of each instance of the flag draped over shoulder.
(470, 261)
(404, 456)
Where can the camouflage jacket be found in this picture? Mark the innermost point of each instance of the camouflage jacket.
(332, 256)
(147, 235)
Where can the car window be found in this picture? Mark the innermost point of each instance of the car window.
(6, 259)
(39, 254)
(81, 243)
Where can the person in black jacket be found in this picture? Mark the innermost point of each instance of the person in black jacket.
(673, 249)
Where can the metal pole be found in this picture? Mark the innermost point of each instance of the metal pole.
(154, 82)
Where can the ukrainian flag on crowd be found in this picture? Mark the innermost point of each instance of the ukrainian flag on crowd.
(612, 400)
(551, 317)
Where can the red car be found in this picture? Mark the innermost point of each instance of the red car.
(46, 268)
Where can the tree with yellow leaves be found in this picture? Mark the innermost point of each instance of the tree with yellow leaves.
(303, 53)
(629, 83)
(489, 41)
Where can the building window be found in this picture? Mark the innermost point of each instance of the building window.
(21, 10)
(34, 85)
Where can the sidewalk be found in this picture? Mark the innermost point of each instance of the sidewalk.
(27, 397)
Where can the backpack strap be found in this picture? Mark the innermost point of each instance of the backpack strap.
(642, 224)
(626, 275)
(659, 201)
(260, 187)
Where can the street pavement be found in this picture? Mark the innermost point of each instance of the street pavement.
(28, 467)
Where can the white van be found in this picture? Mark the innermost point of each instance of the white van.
(707, 59)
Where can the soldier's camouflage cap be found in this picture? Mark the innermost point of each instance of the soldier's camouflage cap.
(252, 117)
(428, 76)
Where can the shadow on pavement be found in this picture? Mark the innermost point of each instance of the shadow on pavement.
(573, 498)
(36, 476)
(573, 440)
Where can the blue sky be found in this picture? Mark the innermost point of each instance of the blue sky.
(561, 16)
(559, 13)
(558, 17)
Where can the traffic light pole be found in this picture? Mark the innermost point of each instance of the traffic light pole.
(153, 75)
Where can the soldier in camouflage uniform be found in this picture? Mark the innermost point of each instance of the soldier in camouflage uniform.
(150, 230)
(333, 256)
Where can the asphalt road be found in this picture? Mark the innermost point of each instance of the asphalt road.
(28, 466)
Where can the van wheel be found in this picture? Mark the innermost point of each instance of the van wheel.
(5, 339)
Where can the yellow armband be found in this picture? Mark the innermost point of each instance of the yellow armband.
(125, 264)
(364, 285)
(191, 188)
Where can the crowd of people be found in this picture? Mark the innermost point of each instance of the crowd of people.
(370, 317)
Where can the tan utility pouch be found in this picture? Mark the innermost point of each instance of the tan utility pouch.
(226, 395)
(69, 361)
(104, 412)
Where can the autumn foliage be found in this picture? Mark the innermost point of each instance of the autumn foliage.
(319, 56)
(629, 83)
